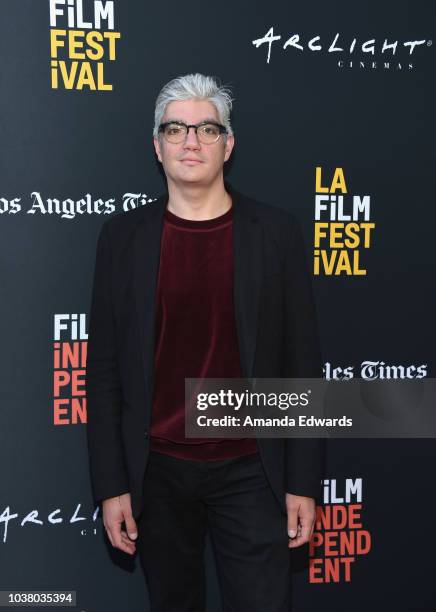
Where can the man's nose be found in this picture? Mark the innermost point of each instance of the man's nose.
(191, 140)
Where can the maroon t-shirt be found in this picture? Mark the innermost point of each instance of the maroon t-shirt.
(196, 333)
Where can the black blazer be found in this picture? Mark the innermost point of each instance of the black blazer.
(276, 327)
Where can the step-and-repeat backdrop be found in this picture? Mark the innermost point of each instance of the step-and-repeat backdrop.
(334, 120)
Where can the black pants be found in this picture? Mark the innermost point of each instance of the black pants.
(231, 498)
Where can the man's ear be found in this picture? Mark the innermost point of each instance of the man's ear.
(157, 149)
(230, 143)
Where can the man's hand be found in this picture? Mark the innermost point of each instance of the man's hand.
(301, 519)
(117, 510)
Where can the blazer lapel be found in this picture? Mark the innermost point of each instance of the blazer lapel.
(247, 277)
(146, 249)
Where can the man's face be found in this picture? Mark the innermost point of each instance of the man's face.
(192, 162)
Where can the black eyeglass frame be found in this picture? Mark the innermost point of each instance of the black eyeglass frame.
(222, 128)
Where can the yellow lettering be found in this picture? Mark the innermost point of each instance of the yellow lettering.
(343, 264)
(100, 79)
(316, 262)
(318, 187)
(338, 182)
(91, 39)
(356, 270)
(55, 43)
(328, 262)
(319, 234)
(68, 78)
(112, 37)
(54, 74)
(335, 243)
(74, 44)
(367, 227)
(86, 77)
(352, 231)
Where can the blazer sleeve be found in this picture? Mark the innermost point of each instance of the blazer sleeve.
(103, 386)
(304, 456)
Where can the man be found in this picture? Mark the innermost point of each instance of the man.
(204, 282)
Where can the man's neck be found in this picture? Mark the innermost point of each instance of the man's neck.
(197, 202)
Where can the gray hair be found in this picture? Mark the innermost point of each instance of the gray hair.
(195, 86)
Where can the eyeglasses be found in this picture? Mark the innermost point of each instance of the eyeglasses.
(207, 132)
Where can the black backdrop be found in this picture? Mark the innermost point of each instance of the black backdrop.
(371, 114)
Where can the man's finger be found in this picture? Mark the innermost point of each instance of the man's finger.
(305, 532)
(131, 527)
(128, 544)
(302, 538)
(110, 536)
(292, 522)
(128, 541)
(116, 539)
(295, 543)
(122, 544)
